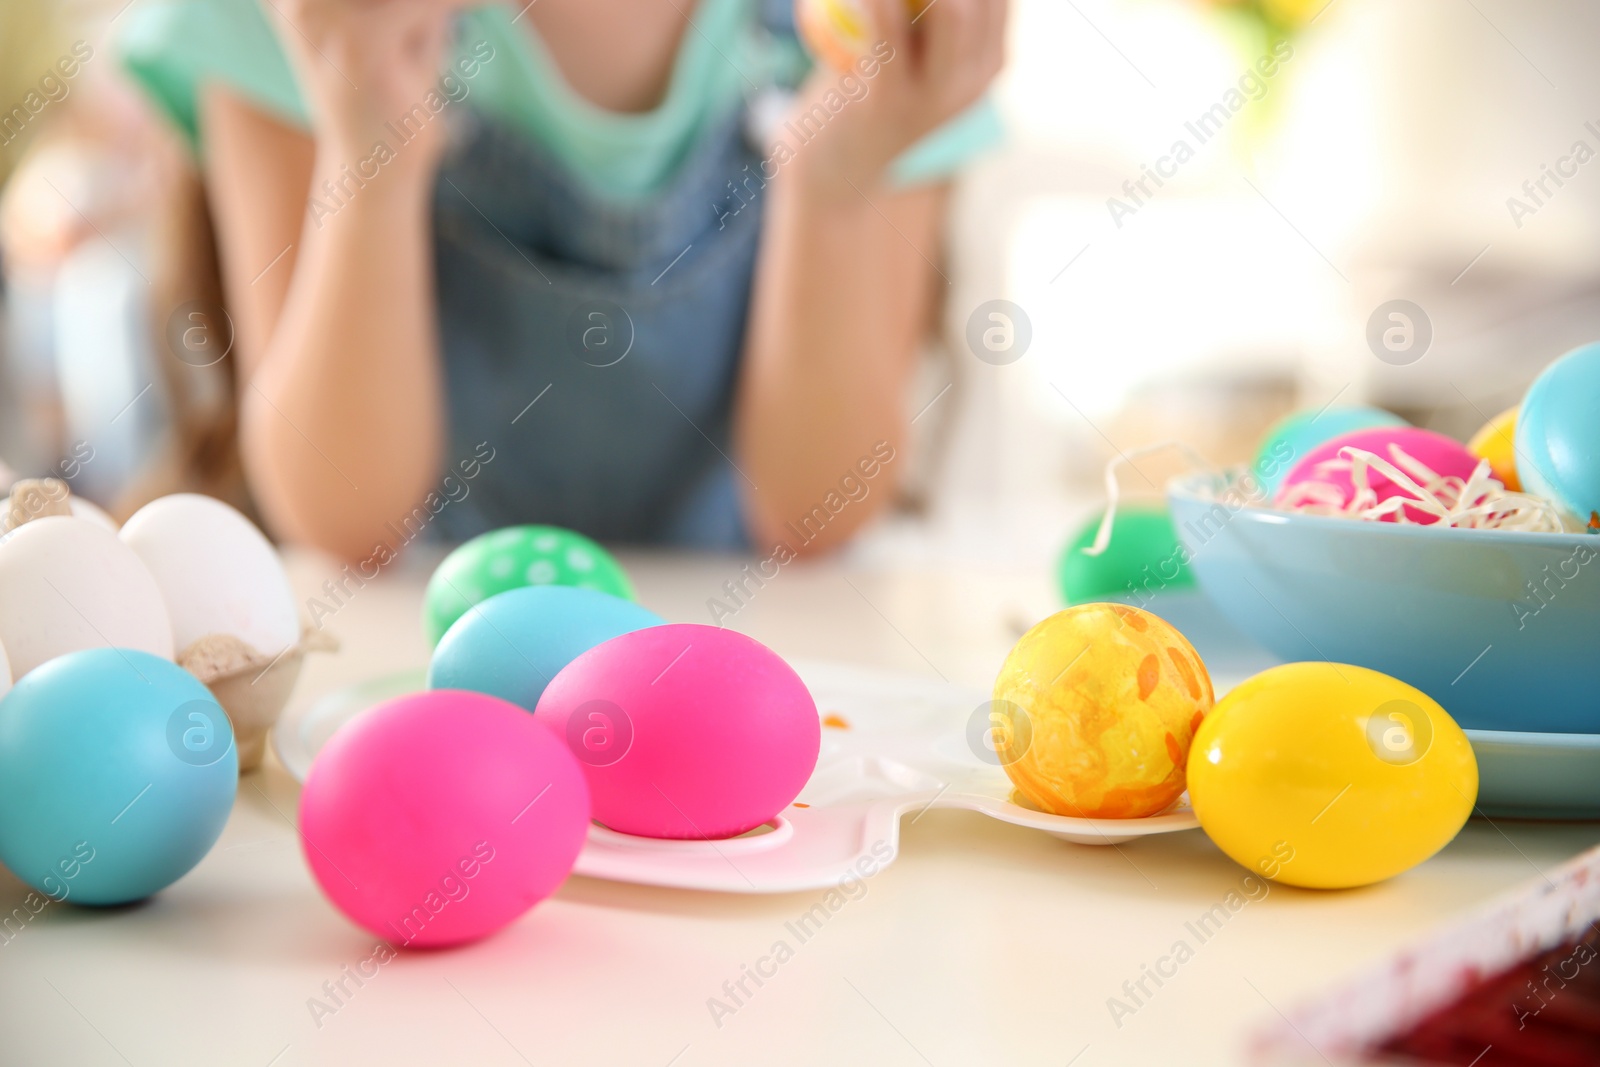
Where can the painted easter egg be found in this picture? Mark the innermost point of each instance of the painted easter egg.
(1558, 434)
(1496, 442)
(439, 817)
(1143, 556)
(511, 558)
(685, 731)
(514, 643)
(839, 32)
(1097, 705)
(1325, 467)
(1329, 776)
(117, 774)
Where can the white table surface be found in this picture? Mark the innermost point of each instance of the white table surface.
(983, 943)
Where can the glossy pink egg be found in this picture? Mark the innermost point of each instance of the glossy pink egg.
(439, 817)
(1443, 455)
(685, 731)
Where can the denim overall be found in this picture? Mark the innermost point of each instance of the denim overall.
(594, 346)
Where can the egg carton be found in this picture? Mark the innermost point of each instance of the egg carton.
(893, 745)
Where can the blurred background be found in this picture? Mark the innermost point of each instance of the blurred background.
(1377, 162)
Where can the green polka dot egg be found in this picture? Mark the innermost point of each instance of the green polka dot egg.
(511, 558)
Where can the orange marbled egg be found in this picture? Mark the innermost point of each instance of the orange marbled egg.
(1099, 704)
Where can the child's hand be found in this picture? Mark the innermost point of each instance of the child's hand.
(934, 67)
(364, 65)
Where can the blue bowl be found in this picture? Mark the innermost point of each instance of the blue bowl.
(1537, 776)
(1502, 629)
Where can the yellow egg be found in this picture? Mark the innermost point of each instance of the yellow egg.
(1328, 776)
(1292, 14)
(1494, 443)
(1097, 706)
(839, 31)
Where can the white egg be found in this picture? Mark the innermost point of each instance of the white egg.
(81, 509)
(67, 584)
(88, 509)
(5, 672)
(218, 573)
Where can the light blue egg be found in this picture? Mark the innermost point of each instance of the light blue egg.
(117, 773)
(1558, 433)
(512, 644)
(1293, 437)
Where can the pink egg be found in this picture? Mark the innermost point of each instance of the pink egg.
(440, 817)
(1443, 455)
(685, 731)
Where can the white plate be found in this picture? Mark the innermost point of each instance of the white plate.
(903, 751)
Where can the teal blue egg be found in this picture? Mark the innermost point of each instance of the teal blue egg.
(1558, 434)
(1293, 437)
(117, 774)
(513, 643)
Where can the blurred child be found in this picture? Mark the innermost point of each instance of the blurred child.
(569, 252)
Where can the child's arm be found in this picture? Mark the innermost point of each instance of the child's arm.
(846, 287)
(339, 381)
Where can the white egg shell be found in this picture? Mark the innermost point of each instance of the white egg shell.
(67, 584)
(81, 509)
(88, 509)
(218, 573)
(5, 672)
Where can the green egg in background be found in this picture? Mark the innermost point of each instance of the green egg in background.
(1141, 536)
(511, 558)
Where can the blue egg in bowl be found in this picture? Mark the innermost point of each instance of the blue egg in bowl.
(1501, 628)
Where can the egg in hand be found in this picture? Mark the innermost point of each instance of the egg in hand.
(840, 32)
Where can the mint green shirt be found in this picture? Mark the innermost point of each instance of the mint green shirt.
(173, 48)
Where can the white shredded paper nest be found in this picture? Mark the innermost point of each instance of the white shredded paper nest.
(1478, 502)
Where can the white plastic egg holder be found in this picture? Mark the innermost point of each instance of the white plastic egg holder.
(903, 752)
